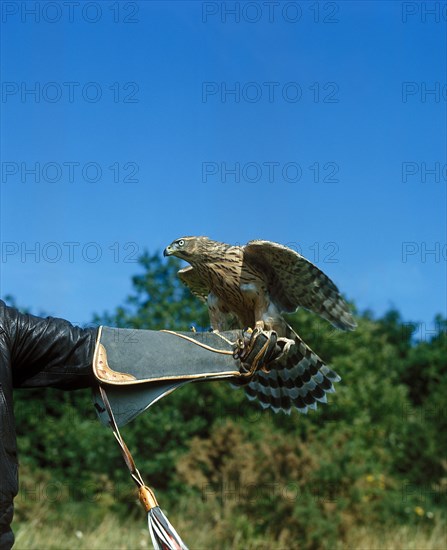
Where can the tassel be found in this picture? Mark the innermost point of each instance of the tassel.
(163, 535)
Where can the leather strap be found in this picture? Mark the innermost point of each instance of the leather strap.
(204, 346)
(254, 349)
(145, 494)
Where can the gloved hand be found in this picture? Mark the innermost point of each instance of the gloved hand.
(257, 349)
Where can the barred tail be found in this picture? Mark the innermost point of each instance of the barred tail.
(299, 379)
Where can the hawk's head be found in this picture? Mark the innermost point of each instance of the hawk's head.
(187, 248)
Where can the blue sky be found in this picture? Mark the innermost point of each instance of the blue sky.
(324, 130)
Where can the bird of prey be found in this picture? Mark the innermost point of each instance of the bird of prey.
(251, 286)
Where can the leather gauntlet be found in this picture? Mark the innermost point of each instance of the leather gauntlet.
(139, 367)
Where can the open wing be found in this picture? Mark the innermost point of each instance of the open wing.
(293, 281)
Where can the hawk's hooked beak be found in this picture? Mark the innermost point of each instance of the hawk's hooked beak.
(167, 251)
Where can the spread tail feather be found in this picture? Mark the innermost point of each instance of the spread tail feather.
(299, 380)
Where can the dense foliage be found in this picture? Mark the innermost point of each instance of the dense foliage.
(375, 455)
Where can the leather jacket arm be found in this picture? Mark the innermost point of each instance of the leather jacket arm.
(47, 351)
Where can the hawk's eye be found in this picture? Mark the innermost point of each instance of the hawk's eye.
(181, 242)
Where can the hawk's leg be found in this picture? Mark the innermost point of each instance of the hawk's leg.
(257, 300)
(273, 320)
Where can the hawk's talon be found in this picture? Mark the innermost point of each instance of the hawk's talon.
(284, 344)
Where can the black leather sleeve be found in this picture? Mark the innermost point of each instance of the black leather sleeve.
(47, 351)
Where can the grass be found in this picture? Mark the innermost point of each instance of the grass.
(113, 534)
(61, 523)
(402, 538)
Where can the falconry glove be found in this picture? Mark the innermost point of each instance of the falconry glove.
(139, 367)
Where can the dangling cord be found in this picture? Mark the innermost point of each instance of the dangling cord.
(128, 459)
(163, 534)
